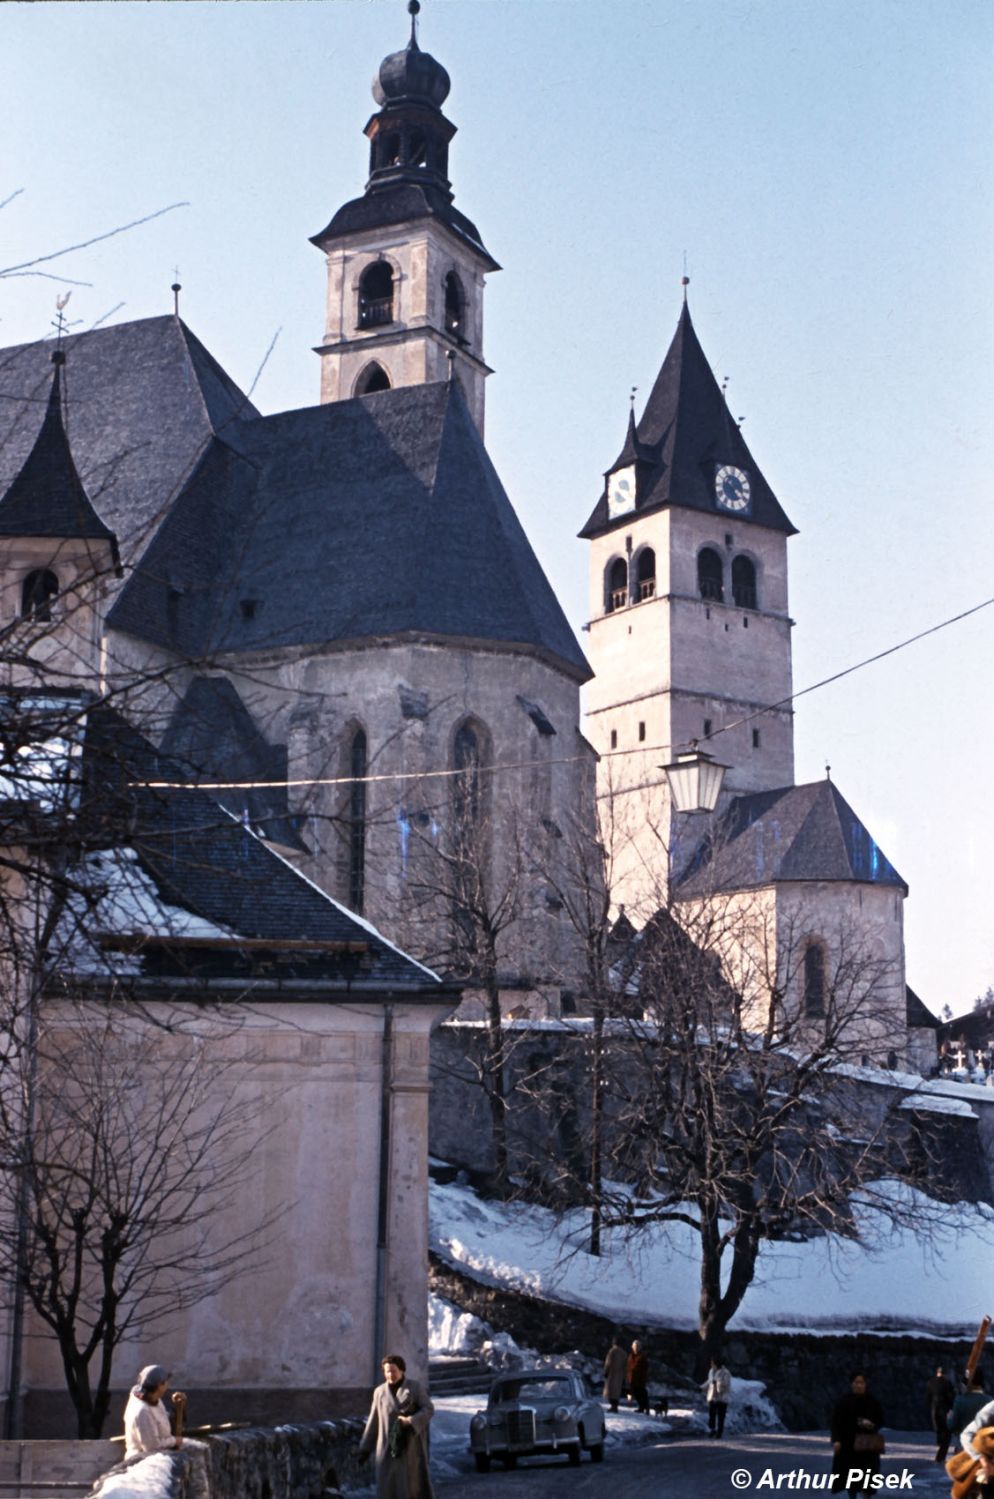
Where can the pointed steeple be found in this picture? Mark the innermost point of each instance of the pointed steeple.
(47, 498)
(687, 438)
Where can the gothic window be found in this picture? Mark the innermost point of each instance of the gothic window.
(455, 306)
(466, 760)
(814, 980)
(376, 295)
(709, 575)
(373, 378)
(617, 585)
(744, 582)
(647, 573)
(357, 821)
(39, 588)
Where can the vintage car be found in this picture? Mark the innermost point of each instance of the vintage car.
(537, 1411)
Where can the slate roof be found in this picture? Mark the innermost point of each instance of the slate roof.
(205, 862)
(796, 833)
(402, 203)
(917, 1012)
(684, 435)
(212, 736)
(141, 400)
(364, 518)
(46, 498)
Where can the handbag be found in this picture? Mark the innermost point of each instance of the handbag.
(962, 1468)
(869, 1441)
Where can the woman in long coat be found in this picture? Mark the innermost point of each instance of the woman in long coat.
(637, 1377)
(615, 1364)
(396, 1433)
(856, 1415)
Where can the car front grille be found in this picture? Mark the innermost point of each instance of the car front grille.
(521, 1428)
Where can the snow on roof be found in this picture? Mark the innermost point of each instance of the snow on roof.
(113, 895)
(935, 1103)
(908, 1284)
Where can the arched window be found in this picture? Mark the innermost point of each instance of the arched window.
(376, 295)
(709, 575)
(617, 585)
(814, 980)
(455, 306)
(39, 588)
(647, 574)
(373, 378)
(466, 760)
(744, 582)
(357, 821)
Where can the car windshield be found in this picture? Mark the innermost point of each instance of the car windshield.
(555, 1387)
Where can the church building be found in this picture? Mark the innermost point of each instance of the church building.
(350, 702)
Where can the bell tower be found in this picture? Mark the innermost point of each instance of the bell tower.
(690, 638)
(405, 267)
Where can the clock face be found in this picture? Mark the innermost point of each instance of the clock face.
(731, 488)
(621, 491)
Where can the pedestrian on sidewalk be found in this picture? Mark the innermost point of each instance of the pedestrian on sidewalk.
(940, 1395)
(396, 1434)
(615, 1367)
(637, 1377)
(856, 1441)
(146, 1415)
(717, 1388)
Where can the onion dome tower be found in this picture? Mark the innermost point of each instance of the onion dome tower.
(405, 267)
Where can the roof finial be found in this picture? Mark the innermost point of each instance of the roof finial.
(176, 289)
(61, 326)
(828, 771)
(685, 279)
(413, 6)
(631, 396)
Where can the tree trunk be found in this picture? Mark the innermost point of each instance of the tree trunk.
(596, 1124)
(496, 1083)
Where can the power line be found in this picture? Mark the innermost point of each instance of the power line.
(642, 749)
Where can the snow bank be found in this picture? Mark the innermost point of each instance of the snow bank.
(906, 1285)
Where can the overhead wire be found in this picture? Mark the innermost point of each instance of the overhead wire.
(641, 749)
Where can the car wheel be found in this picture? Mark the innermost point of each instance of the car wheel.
(510, 1460)
(574, 1456)
(597, 1452)
(482, 1462)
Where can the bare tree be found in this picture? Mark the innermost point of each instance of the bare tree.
(136, 1149)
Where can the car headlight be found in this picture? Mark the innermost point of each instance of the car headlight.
(478, 1423)
(560, 1414)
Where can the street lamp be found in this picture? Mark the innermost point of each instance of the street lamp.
(695, 780)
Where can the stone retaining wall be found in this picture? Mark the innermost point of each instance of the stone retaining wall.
(317, 1461)
(804, 1373)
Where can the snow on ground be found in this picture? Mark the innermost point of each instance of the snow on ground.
(820, 1285)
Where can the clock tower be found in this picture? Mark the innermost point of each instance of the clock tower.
(689, 629)
(405, 267)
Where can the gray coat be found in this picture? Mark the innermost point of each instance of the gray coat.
(404, 1476)
(614, 1372)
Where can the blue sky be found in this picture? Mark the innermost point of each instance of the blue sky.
(826, 169)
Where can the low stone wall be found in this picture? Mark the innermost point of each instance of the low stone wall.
(316, 1461)
(804, 1373)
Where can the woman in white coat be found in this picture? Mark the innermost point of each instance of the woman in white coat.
(396, 1434)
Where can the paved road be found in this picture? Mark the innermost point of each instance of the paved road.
(695, 1467)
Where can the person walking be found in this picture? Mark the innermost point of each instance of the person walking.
(940, 1395)
(615, 1367)
(856, 1441)
(717, 1388)
(637, 1377)
(396, 1434)
(146, 1416)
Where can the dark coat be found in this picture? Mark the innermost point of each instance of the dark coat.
(849, 1418)
(941, 1395)
(615, 1365)
(406, 1475)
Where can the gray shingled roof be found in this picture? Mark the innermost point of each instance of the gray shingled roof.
(46, 498)
(205, 862)
(402, 203)
(684, 435)
(140, 399)
(371, 517)
(796, 833)
(212, 736)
